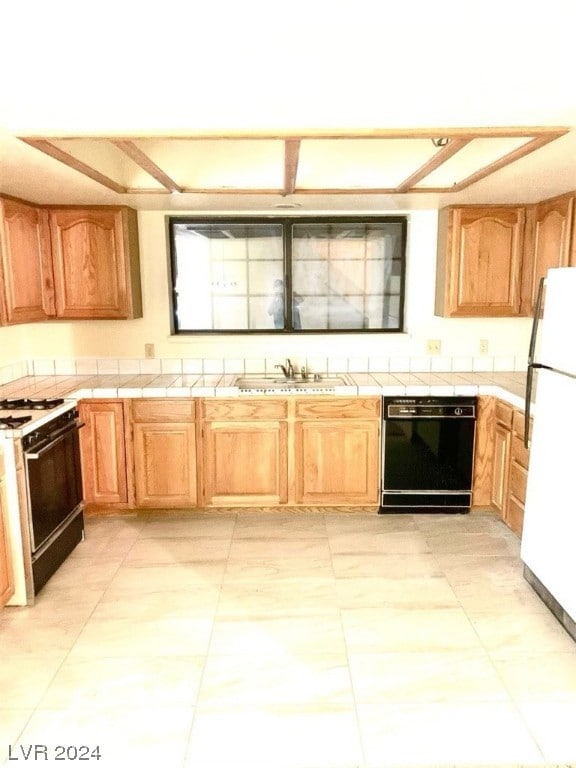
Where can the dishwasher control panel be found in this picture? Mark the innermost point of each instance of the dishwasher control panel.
(429, 408)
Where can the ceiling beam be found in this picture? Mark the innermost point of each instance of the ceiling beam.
(511, 157)
(453, 146)
(229, 191)
(141, 159)
(367, 133)
(306, 191)
(72, 162)
(291, 157)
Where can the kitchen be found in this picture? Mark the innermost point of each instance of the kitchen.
(118, 347)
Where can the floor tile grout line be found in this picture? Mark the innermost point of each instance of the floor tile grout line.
(207, 651)
(357, 719)
(489, 657)
(38, 708)
(436, 556)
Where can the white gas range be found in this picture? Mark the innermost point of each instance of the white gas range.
(21, 415)
(44, 488)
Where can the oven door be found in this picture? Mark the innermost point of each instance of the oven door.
(427, 462)
(54, 483)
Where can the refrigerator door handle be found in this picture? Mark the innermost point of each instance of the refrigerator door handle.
(528, 398)
(531, 363)
(535, 321)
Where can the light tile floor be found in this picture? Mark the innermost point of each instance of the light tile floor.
(323, 639)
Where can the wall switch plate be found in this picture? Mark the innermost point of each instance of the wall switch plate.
(149, 350)
(483, 347)
(433, 346)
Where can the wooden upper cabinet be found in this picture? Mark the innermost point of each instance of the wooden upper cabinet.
(26, 278)
(96, 264)
(550, 243)
(480, 251)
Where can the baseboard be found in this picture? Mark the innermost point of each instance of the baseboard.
(553, 605)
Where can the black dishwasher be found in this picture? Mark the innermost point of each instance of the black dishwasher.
(427, 454)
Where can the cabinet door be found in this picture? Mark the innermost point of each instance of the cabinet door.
(25, 264)
(552, 246)
(165, 465)
(483, 452)
(337, 462)
(6, 575)
(93, 271)
(103, 452)
(518, 478)
(480, 261)
(500, 468)
(245, 463)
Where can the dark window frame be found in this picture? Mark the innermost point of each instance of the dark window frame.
(287, 223)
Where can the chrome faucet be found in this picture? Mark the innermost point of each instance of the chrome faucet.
(287, 370)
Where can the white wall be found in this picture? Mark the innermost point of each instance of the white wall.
(507, 338)
(10, 343)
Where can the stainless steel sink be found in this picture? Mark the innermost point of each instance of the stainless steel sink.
(269, 382)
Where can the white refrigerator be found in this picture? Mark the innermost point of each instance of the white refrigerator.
(549, 535)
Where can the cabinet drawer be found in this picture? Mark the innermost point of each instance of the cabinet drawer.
(338, 408)
(162, 410)
(515, 516)
(504, 413)
(520, 453)
(517, 481)
(242, 410)
(518, 424)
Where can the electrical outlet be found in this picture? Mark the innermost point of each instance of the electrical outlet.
(483, 347)
(149, 350)
(433, 346)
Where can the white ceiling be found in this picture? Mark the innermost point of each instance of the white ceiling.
(311, 67)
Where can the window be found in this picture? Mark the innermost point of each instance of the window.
(287, 275)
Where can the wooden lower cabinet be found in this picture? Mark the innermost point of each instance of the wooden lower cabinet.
(104, 452)
(296, 451)
(500, 467)
(164, 447)
(518, 478)
(245, 452)
(337, 451)
(246, 463)
(322, 450)
(336, 462)
(483, 453)
(6, 574)
(501, 461)
(184, 452)
(165, 465)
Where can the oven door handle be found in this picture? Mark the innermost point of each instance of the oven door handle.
(56, 438)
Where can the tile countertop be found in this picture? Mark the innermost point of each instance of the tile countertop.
(507, 386)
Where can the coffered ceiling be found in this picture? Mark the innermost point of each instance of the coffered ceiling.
(381, 162)
(322, 105)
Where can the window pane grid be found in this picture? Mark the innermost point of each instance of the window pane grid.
(293, 275)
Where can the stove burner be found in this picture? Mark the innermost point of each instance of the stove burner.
(27, 404)
(14, 422)
(44, 405)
